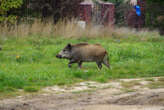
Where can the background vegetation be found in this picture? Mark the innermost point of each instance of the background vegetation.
(18, 11)
(28, 62)
(8, 9)
(27, 58)
(154, 9)
(21, 9)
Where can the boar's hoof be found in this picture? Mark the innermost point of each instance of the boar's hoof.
(99, 65)
(69, 65)
(58, 56)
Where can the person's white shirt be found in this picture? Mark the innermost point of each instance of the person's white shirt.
(133, 2)
(82, 24)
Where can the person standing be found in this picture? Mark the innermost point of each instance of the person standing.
(139, 18)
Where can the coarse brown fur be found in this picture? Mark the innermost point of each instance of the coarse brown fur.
(84, 52)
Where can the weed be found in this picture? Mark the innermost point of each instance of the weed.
(31, 89)
(150, 79)
(130, 84)
(126, 90)
(156, 84)
(161, 79)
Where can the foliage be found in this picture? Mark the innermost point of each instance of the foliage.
(155, 1)
(6, 9)
(56, 8)
(153, 10)
(7, 5)
(10, 9)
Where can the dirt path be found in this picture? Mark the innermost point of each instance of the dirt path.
(92, 96)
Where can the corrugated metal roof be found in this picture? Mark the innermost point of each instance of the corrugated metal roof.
(87, 2)
(92, 2)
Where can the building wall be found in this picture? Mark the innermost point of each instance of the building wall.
(85, 12)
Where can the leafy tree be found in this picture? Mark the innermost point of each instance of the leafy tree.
(11, 9)
(56, 8)
(155, 14)
(8, 8)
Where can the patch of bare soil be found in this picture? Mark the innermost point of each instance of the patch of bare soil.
(92, 96)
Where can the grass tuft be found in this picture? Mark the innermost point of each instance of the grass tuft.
(130, 84)
(31, 89)
(157, 84)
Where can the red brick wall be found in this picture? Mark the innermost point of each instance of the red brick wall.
(85, 12)
(142, 4)
(109, 17)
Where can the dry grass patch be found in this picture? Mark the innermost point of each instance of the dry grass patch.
(130, 84)
(126, 90)
(161, 79)
(150, 79)
(157, 84)
(71, 29)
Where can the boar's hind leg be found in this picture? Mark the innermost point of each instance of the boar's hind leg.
(70, 63)
(80, 64)
(99, 65)
(106, 61)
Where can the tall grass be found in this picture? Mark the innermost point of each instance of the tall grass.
(70, 28)
(27, 58)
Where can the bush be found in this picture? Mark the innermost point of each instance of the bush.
(7, 8)
(57, 9)
(154, 13)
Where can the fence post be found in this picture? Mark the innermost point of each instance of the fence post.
(85, 12)
(107, 13)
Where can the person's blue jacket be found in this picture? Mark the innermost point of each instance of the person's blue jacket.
(138, 10)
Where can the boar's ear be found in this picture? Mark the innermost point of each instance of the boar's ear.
(69, 46)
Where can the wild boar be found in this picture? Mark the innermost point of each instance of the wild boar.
(84, 52)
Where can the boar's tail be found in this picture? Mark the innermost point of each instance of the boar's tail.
(106, 60)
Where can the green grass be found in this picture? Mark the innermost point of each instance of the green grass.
(29, 62)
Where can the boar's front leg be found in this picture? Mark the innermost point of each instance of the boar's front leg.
(80, 64)
(99, 64)
(70, 63)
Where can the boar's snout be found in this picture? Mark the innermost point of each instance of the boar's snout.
(58, 56)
